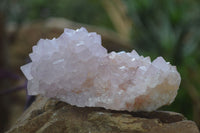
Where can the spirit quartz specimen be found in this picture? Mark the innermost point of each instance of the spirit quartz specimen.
(77, 69)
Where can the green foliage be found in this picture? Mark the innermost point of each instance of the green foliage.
(159, 25)
(84, 11)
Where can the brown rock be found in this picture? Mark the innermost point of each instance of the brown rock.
(51, 116)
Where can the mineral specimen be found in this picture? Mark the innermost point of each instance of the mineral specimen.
(77, 69)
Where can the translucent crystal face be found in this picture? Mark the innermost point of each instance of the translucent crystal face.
(76, 68)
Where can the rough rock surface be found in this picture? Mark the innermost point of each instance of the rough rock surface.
(51, 116)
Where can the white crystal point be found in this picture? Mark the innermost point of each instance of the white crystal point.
(76, 68)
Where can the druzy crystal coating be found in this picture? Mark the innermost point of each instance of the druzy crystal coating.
(77, 69)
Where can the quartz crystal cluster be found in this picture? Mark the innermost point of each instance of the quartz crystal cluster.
(77, 69)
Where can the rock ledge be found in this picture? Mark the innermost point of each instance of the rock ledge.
(49, 115)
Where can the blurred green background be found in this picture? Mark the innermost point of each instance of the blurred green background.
(168, 28)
